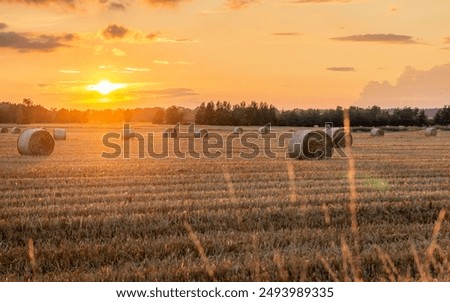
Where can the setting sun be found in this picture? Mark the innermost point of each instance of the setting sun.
(105, 87)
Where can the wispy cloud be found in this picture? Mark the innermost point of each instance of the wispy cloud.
(169, 93)
(447, 40)
(3, 25)
(135, 69)
(164, 62)
(119, 52)
(25, 42)
(168, 3)
(237, 4)
(286, 34)
(344, 69)
(380, 38)
(69, 71)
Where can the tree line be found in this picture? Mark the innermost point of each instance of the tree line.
(223, 113)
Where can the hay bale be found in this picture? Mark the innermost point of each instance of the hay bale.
(201, 133)
(338, 136)
(4, 130)
(311, 145)
(430, 131)
(35, 142)
(264, 130)
(376, 132)
(59, 134)
(238, 130)
(16, 130)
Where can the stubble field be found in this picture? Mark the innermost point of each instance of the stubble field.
(75, 216)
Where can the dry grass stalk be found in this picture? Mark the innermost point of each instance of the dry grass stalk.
(392, 275)
(291, 174)
(257, 266)
(424, 276)
(326, 215)
(228, 180)
(32, 258)
(327, 266)
(348, 261)
(432, 246)
(279, 261)
(200, 249)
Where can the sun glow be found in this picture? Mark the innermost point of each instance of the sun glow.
(105, 87)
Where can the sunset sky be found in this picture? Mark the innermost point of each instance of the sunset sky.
(293, 54)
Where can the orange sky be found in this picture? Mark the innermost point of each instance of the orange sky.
(307, 53)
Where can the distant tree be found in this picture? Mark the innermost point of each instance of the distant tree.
(159, 117)
(442, 116)
(174, 115)
(127, 115)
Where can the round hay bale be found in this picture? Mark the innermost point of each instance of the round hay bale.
(16, 130)
(264, 130)
(430, 131)
(238, 130)
(35, 142)
(59, 134)
(4, 130)
(376, 132)
(338, 136)
(310, 145)
(201, 133)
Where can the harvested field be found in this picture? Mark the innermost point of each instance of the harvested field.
(96, 219)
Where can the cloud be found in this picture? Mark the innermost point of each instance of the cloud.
(114, 31)
(116, 6)
(413, 88)
(135, 69)
(169, 93)
(286, 34)
(446, 40)
(344, 69)
(3, 25)
(237, 4)
(380, 38)
(169, 3)
(69, 71)
(164, 62)
(118, 52)
(29, 42)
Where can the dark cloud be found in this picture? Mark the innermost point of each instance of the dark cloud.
(345, 69)
(116, 6)
(286, 34)
(237, 4)
(413, 88)
(381, 38)
(28, 42)
(3, 25)
(70, 3)
(114, 31)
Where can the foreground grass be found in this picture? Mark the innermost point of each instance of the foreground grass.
(77, 217)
